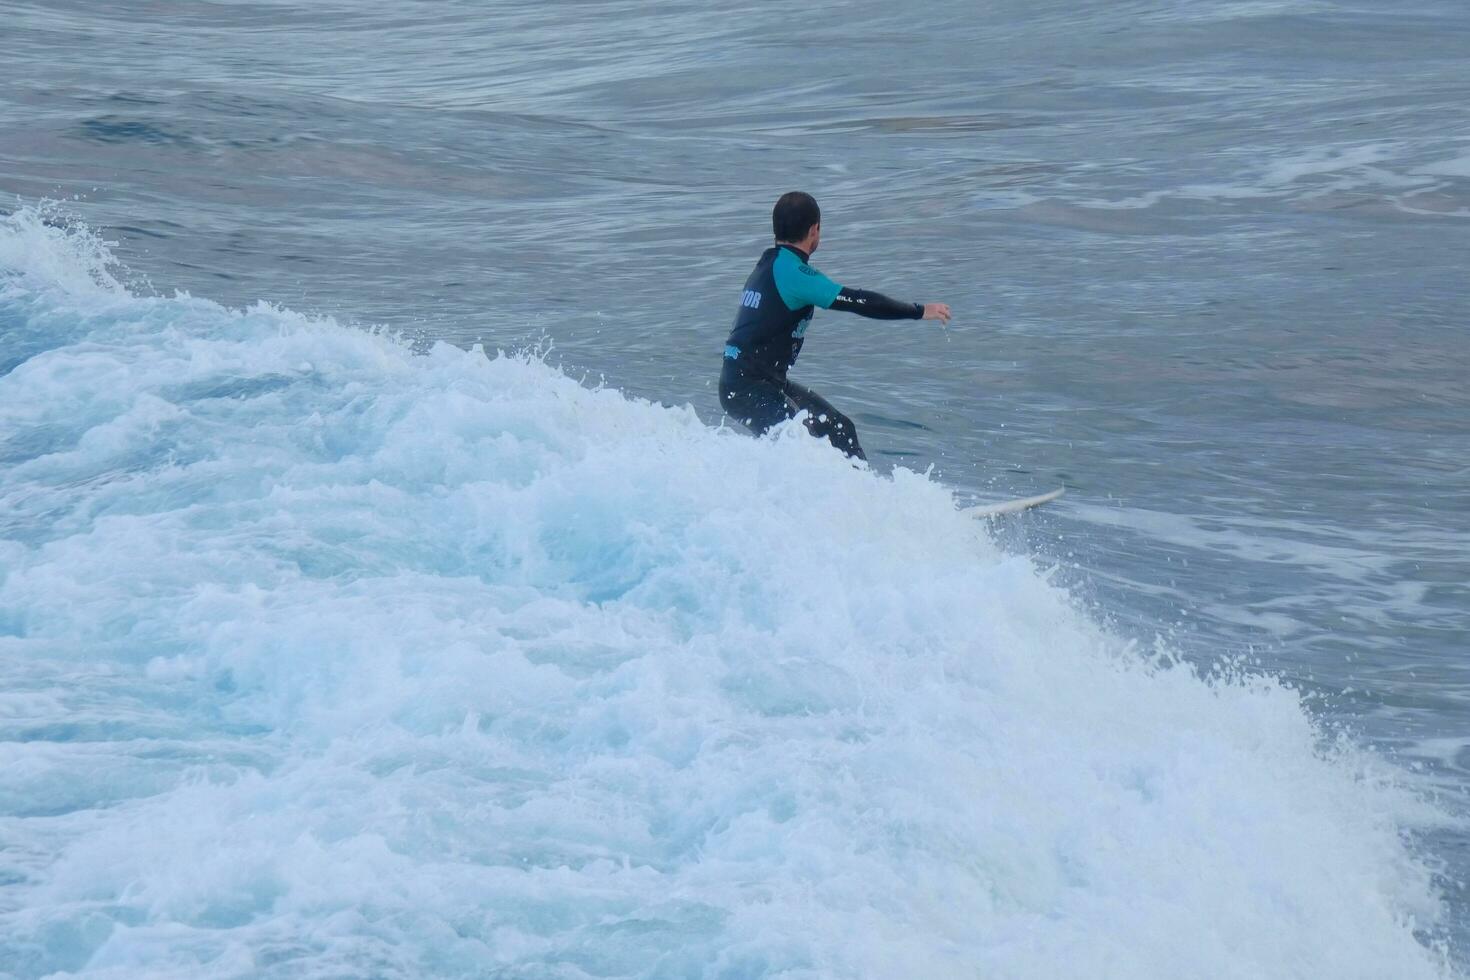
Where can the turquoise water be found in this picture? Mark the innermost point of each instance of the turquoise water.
(325, 657)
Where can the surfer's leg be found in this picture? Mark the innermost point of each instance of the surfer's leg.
(823, 420)
(755, 404)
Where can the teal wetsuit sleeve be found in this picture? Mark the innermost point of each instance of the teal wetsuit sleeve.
(801, 285)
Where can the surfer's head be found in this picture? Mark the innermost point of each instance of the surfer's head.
(797, 219)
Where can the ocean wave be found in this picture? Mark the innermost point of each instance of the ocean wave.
(322, 657)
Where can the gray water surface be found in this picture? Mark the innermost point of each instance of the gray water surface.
(1207, 259)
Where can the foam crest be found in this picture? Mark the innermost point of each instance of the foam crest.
(326, 658)
(49, 251)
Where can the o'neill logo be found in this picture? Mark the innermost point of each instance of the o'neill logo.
(750, 298)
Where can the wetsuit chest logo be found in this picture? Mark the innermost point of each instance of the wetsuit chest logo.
(750, 298)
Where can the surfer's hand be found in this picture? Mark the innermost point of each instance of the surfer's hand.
(936, 311)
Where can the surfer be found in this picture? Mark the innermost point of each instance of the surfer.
(775, 310)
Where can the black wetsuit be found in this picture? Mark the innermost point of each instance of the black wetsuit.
(777, 305)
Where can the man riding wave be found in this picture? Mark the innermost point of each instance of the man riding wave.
(775, 309)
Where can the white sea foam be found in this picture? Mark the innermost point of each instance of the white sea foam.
(1382, 169)
(323, 659)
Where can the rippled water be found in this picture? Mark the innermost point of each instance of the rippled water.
(1207, 260)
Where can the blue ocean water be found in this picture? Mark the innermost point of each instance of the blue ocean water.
(336, 642)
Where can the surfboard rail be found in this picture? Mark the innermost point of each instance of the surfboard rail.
(987, 511)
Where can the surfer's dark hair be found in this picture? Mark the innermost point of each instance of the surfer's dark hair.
(794, 215)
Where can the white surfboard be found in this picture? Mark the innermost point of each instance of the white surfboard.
(988, 511)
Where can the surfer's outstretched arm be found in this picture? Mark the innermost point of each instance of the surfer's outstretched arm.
(876, 306)
(802, 285)
(865, 302)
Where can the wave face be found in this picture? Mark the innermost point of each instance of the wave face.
(322, 658)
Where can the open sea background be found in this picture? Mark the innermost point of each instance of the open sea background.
(330, 646)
